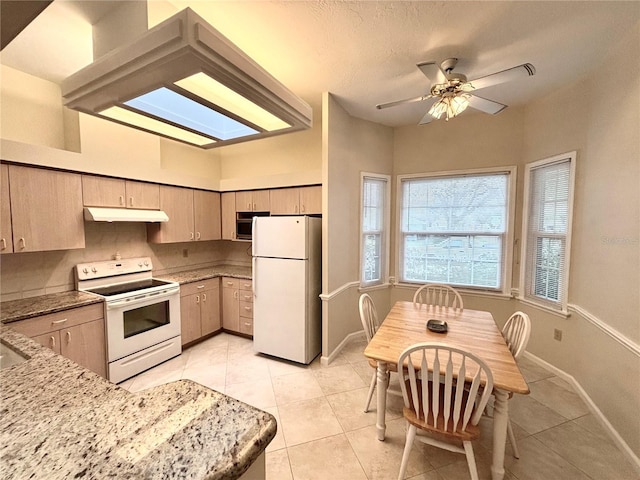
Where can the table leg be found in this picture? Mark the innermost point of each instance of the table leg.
(500, 419)
(382, 384)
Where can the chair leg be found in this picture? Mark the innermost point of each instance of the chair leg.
(372, 387)
(512, 439)
(471, 460)
(411, 436)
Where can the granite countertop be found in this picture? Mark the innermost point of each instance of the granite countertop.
(60, 420)
(200, 274)
(24, 308)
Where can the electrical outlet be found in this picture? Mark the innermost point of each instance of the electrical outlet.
(185, 253)
(557, 334)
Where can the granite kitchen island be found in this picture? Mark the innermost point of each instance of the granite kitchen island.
(60, 420)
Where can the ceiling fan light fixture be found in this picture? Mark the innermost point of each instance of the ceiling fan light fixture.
(451, 105)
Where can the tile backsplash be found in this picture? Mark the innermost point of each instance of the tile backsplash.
(25, 275)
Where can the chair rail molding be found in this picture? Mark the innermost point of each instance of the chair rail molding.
(622, 339)
(325, 297)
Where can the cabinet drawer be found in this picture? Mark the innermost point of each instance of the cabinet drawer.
(246, 296)
(246, 310)
(197, 287)
(246, 326)
(244, 284)
(229, 282)
(34, 327)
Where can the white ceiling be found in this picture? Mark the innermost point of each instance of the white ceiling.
(365, 52)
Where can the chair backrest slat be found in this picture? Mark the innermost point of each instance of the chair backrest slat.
(516, 333)
(438, 295)
(455, 389)
(368, 316)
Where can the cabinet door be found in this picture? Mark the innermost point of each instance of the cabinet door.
(49, 340)
(230, 309)
(46, 209)
(142, 195)
(210, 311)
(244, 201)
(284, 201)
(311, 200)
(261, 200)
(228, 215)
(103, 192)
(206, 210)
(177, 202)
(190, 318)
(85, 345)
(6, 237)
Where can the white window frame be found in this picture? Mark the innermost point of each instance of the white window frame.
(507, 251)
(524, 295)
(384, 247)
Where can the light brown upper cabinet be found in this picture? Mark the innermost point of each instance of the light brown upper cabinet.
(193, 215)
(115, 192)
(6, 236)
(46, 209)
(253, 201)
(296, 201)
(228, 214)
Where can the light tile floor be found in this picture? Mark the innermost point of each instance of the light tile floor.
(323, 432)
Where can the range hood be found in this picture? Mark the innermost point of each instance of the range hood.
(184, 80)
(100, 214)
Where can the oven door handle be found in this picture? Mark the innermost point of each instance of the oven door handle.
(143, 298)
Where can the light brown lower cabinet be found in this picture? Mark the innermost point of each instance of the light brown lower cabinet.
(237, 305)
(77, 334)
(199, 309)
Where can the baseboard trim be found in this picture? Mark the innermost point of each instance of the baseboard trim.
(326, 360)
(613, 433)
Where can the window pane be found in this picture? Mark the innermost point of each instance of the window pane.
(461, 260)
(442, 219)
(373, 224)
(371, 257)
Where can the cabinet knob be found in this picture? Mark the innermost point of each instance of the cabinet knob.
(197, 235)
(52, 341)
(197, 298)
(190, 235)
(131, 201)
(121, 199)
(235, 294)
(204, 297)
(68, 336)
(23, 243)
(4, 243)
(58, 322)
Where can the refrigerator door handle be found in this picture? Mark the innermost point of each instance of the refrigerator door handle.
(254, 231)
(253, 271)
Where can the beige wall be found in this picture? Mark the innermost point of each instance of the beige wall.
(36, 129)
(604, 283)
(282, 160)
(351, 146)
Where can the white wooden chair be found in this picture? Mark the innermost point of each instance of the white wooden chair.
(438, 295)
(448, 415)
(369, 319)
(516, 333)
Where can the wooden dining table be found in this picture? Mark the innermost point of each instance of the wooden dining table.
(471, 330)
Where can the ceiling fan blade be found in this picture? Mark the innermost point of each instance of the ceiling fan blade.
(433, 72)
(515, 73)
(484, 105)
(426, 119)
(401, 102)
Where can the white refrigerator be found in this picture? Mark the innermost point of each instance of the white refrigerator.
(287, 319)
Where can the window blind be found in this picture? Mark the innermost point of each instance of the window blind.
(548, 224)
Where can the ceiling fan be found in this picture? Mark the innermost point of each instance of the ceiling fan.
(450, 92)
